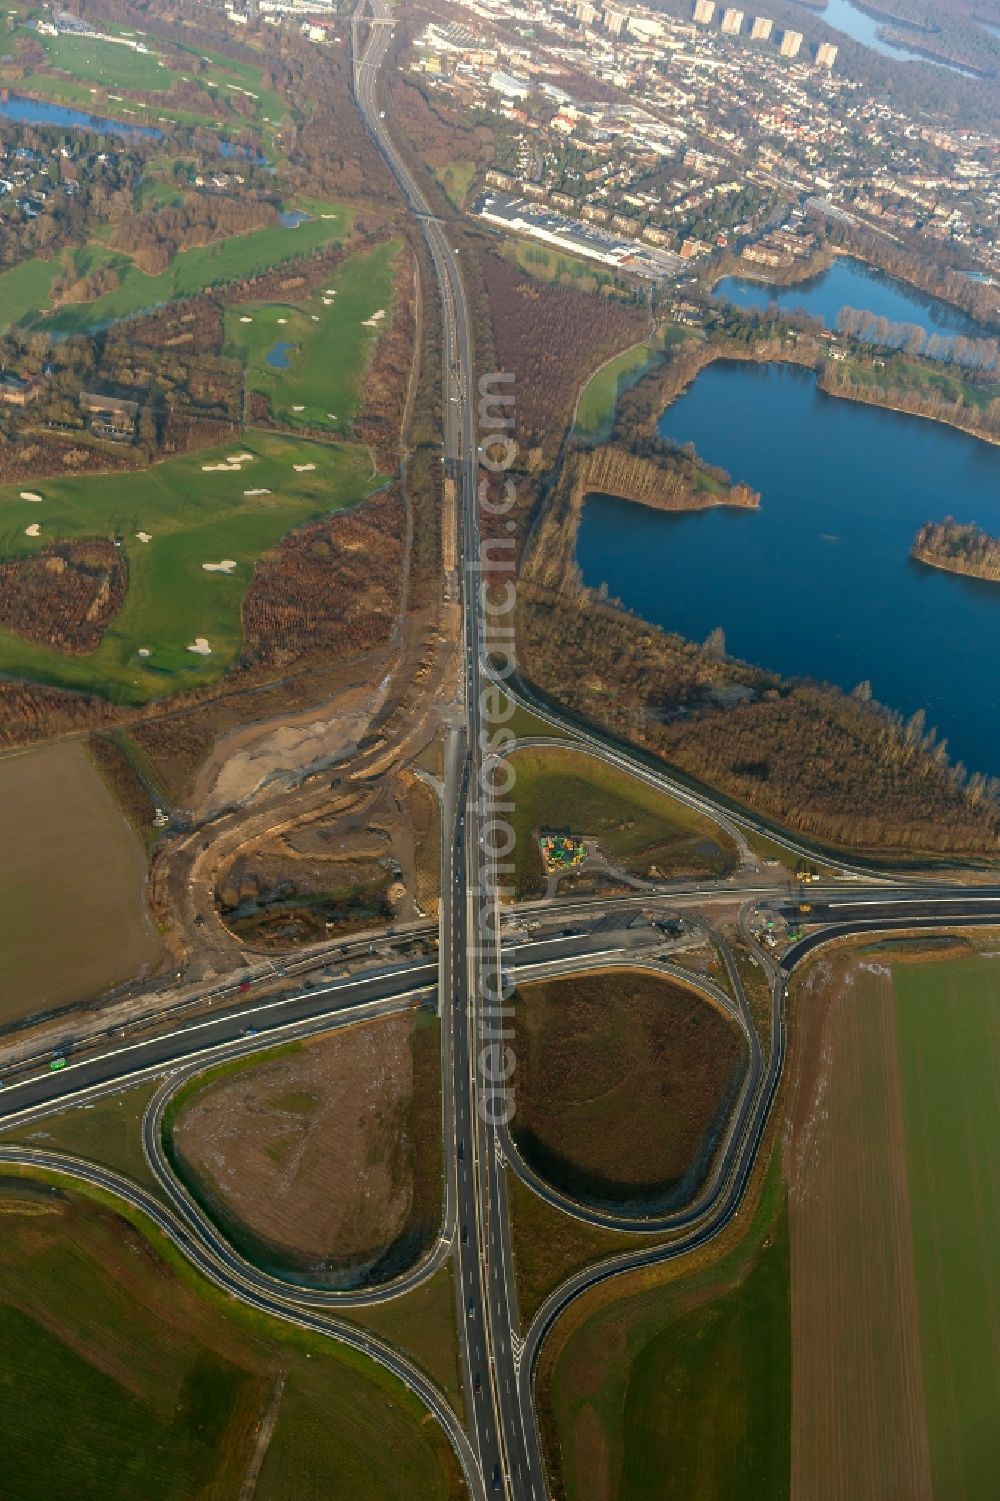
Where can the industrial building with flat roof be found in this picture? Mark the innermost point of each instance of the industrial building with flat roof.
(521, 216)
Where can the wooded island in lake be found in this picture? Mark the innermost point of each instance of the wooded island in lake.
(960, 547)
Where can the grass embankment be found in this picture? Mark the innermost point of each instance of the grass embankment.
(637, 827)
(190, 272)
(948, 1027)
(422, 1323)
(676, 1382)
(550, 1246)
(622, 1055)
(108, 1132)
(322, 339)
(77, 876)
(595, 414)
(252, 1142)
(128, 1378)
(193, 515)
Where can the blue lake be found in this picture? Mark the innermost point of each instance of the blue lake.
(819, 582)
(292, 218)
(850, 283)
(37, 112)
(277, 356)
(40, 112)
(863, 26)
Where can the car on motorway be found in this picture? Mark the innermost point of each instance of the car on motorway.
(472, 1308)
(496, 1477)
(465, 1235)
(477, 1383)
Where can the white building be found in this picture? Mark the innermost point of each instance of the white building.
(791, 41)
(826, 54)
(509, 86)
(704, 10)
(761, 29)
(732, 22)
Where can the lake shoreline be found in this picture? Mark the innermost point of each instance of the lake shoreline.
(844, 494)
(826, 261)
(777, 356)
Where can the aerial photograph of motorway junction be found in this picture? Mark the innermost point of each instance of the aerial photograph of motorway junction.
(499, 750)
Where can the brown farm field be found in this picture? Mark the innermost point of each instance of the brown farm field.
(859, 1421)
(322, 1160)
(73, 919)
(620, 1056)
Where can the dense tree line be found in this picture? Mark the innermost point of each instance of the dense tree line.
(154, 236)
(831, 765)
(952, 349)
(330, 590)
(551, 338)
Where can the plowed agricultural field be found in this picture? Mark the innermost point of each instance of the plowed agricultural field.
(859, 1428)
(894, 1207)
(948, 1022)
(884, 1264)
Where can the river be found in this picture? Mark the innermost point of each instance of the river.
(819, 582)
(851, 283)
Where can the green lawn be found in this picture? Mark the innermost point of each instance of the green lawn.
(948, 1025)
(86, 70)
(923, 379)
(456, 179)
(323, 339)
(553, 265)
(682, 1391)
(191, 271)
(59, 90)
(636, 826)
(92, 60)
(193, 517)
(24, 289)
(126, 1377)
(599, 398)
